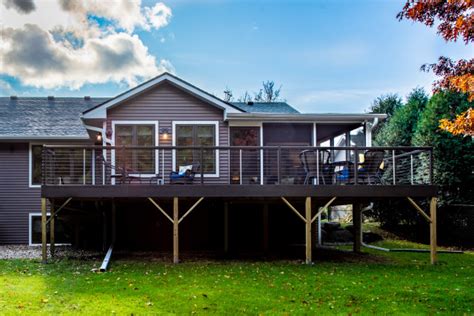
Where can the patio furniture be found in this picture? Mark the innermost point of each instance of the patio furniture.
(317, 167)
(369, 171)
(185, 173)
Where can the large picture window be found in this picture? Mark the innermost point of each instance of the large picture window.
(138, 160)
(196, 136)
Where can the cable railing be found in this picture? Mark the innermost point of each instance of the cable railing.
(235, 165)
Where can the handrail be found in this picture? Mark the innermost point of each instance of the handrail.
(92, 164)
(423, 148)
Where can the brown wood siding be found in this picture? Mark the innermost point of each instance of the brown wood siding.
(167, 103)
(17, 199)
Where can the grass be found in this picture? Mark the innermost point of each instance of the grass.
(401, 283)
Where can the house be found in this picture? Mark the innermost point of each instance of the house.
(102, 167)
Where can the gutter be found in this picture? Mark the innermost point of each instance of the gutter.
(48, 137)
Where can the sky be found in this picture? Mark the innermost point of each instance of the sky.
(327, 55)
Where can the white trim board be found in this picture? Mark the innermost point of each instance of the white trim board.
(217, 156)
(136, 122)
(100, 112)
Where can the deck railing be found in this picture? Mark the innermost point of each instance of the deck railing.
(266, 165)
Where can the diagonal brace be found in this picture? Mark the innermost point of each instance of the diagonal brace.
(190, 209)
(322, 209)
(293, 209)
(59, 209)
(160, 209)
(419, 209)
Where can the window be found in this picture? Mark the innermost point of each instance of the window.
(36, 162)
(139, 160)
(197, 135)
(61, 232)
(245, 164)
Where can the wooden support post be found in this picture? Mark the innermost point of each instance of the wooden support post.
(308, 230)
(265, 227)
(433, 237)
(357, 223)
(51, 230)
(226, 227)
(43, 231)
(175, 230)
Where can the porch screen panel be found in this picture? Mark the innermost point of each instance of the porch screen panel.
(245, 162)
(135, 160)
(196, 135)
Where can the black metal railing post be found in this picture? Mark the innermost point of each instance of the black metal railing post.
(356, 167)
(279, 165)
(202, 164)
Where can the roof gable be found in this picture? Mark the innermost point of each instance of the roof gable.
(100, 111)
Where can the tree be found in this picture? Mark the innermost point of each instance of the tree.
(386, 104)
(228, 95)
(403, 121)
(268, 93)
(455, 19)
(416, 123)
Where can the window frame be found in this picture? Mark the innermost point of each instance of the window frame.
(30, 166)
(157, 142)
(30, 227)
(216, 152)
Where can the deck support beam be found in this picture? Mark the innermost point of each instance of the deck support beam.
(433, 236)
(44, 254)
(308, 222)
(175, 230)
(357, 224)
(51, 230)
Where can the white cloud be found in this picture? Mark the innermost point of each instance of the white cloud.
(6, 88)
(87, 41)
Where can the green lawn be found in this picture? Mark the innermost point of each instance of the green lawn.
(388, 283)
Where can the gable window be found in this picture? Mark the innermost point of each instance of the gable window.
(197, 135)
(135, 135)
(36, 161)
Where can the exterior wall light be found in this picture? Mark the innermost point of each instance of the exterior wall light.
(165, 133)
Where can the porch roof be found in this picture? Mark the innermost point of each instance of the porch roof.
(307, 117)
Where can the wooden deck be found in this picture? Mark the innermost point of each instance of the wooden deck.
(238, 191)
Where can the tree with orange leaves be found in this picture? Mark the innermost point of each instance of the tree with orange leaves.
(455, 20)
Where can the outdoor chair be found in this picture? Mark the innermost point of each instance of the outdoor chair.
(370, 171)
(309, 159)
(185, 174)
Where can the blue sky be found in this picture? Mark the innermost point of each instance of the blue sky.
(329, 56)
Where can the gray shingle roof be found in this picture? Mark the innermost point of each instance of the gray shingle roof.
(32, 117)
(37, 117)
(266, 107)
